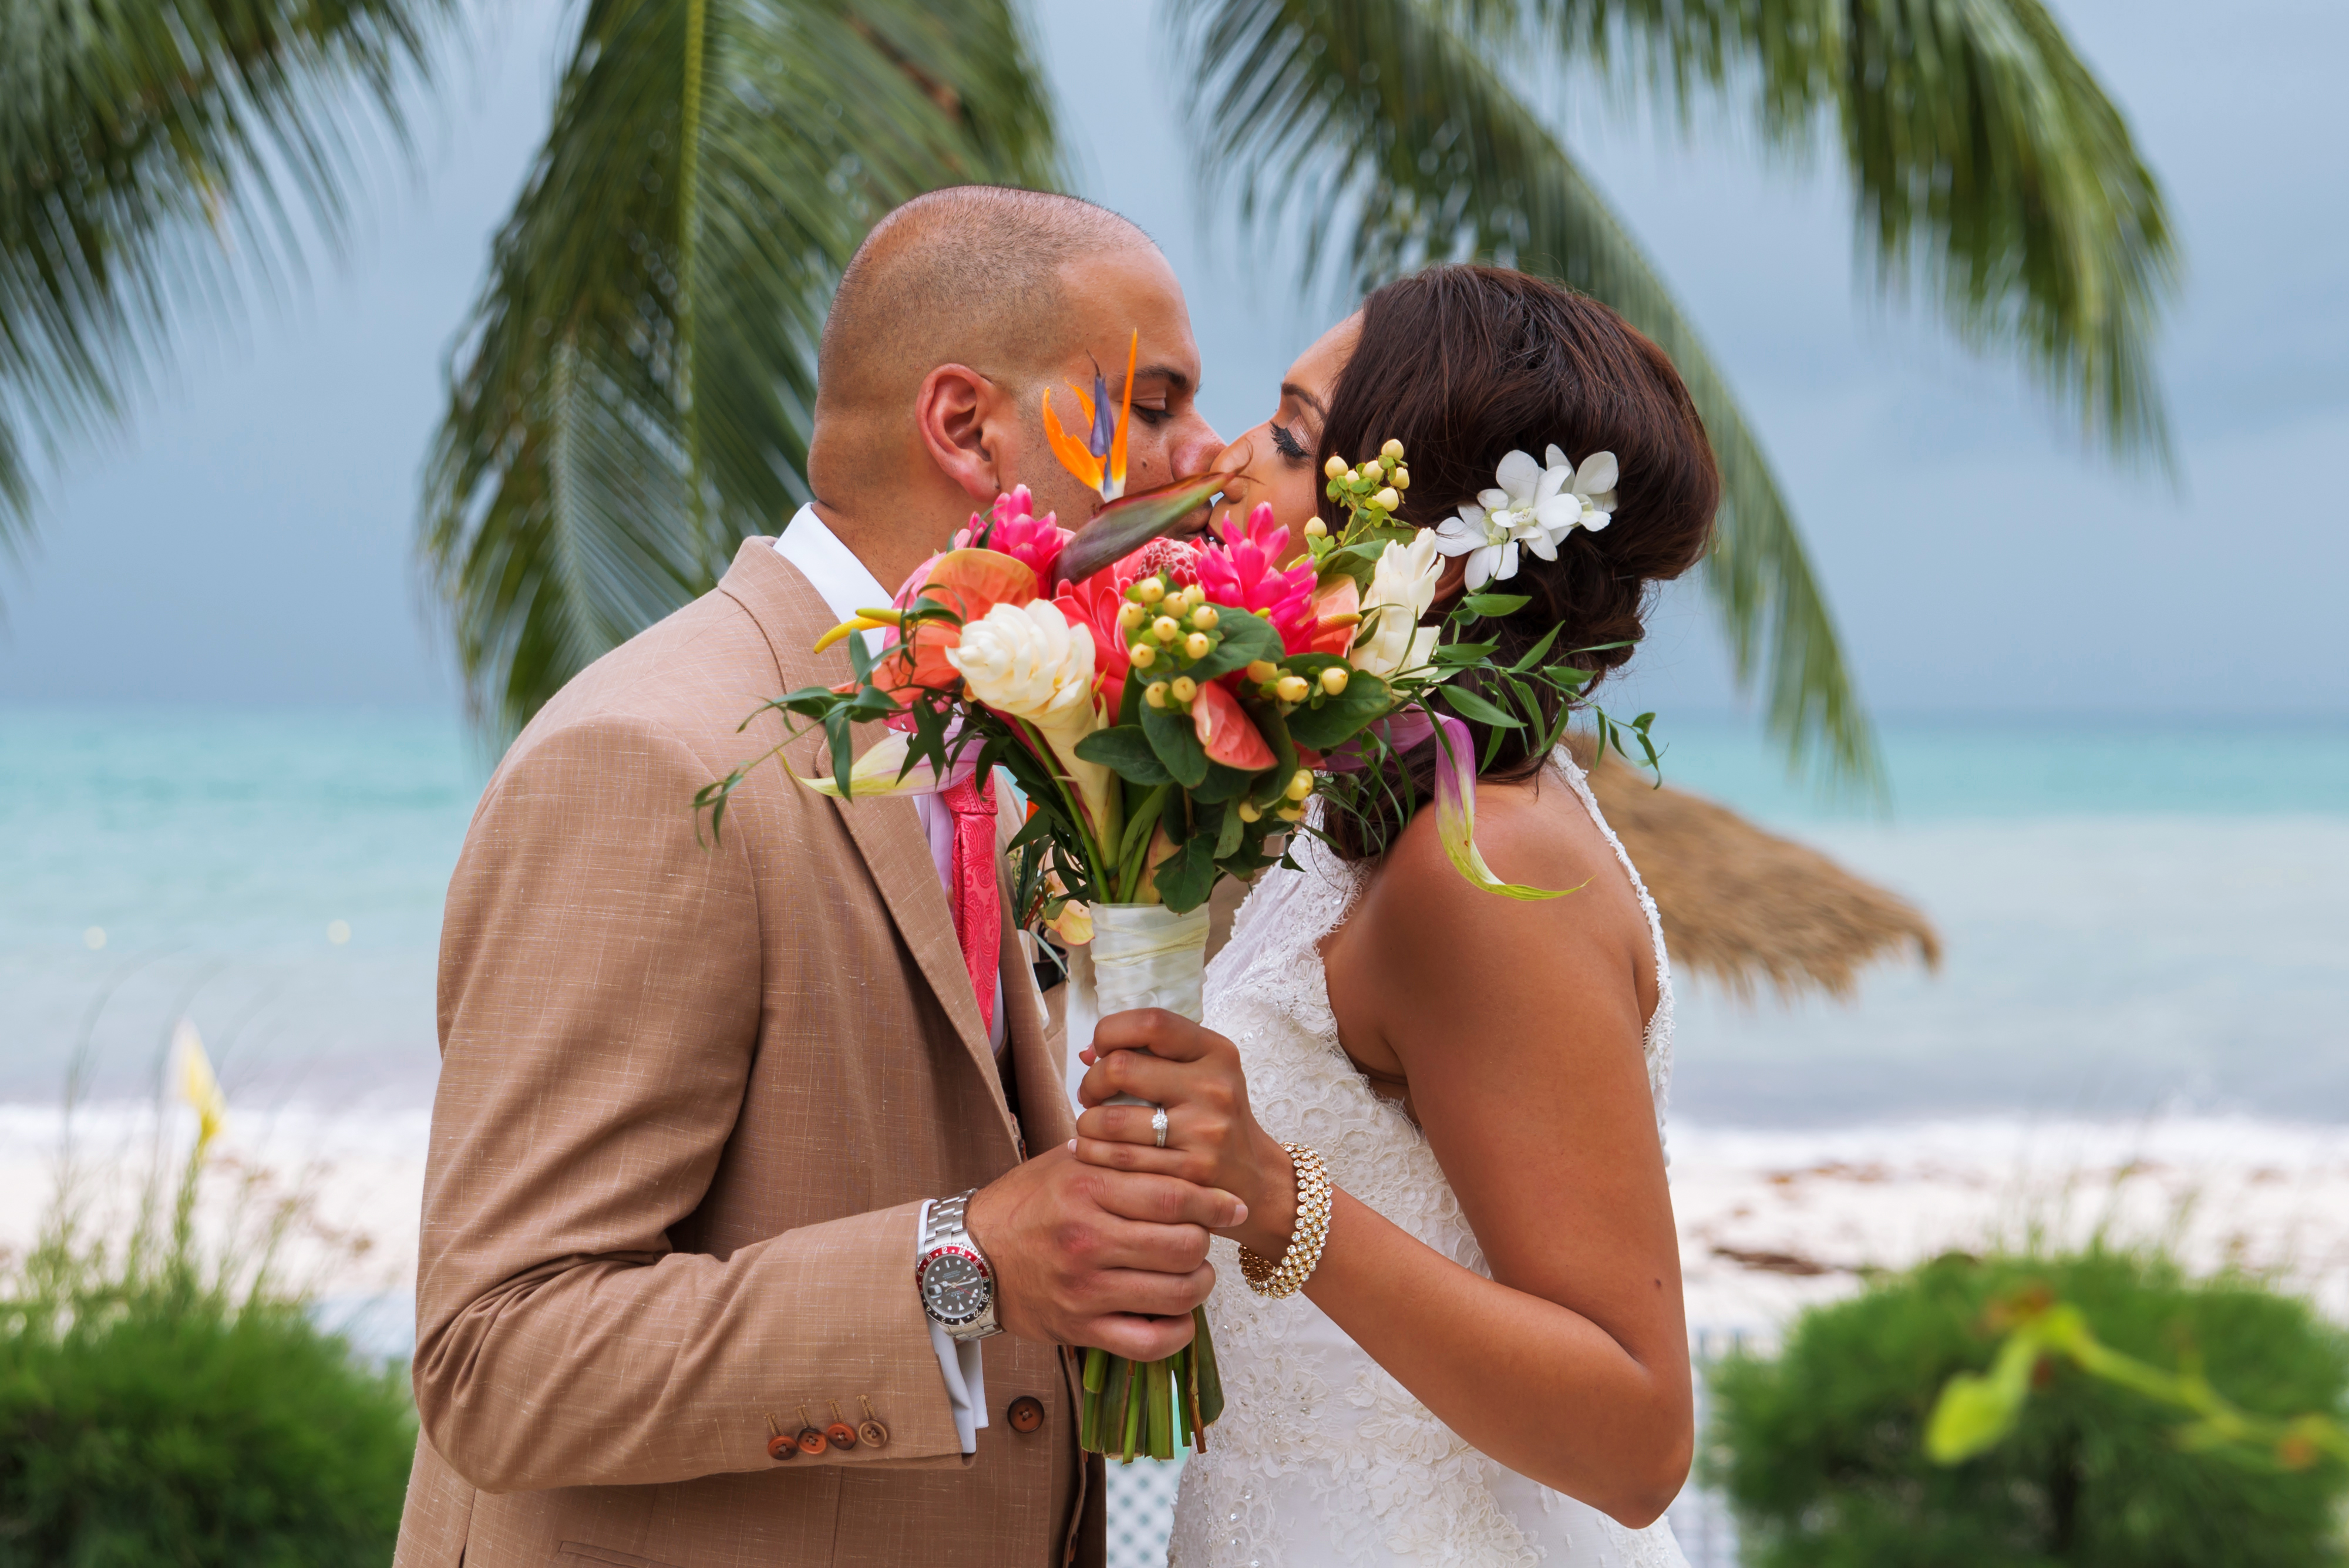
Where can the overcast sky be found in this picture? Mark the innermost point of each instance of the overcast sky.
(249, 539)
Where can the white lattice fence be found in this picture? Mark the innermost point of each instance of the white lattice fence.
(1140, 1512)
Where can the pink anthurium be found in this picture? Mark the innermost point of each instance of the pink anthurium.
(1338, 611)
(1226, 732)
(968, 582)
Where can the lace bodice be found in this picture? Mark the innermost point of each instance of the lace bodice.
(1322, 1458)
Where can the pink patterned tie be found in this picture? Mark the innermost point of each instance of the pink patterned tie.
(973, 894)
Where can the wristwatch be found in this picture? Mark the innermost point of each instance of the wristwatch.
(957, 1284)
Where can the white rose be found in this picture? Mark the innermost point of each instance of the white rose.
(1402, 587)
(1026, 661)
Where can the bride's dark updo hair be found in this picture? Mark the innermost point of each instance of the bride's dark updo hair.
(1465, 364)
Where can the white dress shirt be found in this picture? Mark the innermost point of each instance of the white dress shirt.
(846, 586)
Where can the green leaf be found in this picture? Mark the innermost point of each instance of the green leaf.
(1245, 639)
(1188, 875)
(163, 159)
(1330, 721)
(633, 393)
(1129, 522)
(1975, 1412)
(1469, 705)
(1176, 744)
(1494, 604)
(1125, 750)
(1533, 655)
(1222, 783)
(1228, 837)
(1461, 655)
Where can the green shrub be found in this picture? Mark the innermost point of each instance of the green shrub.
(158, 1407)
(1820, 1450)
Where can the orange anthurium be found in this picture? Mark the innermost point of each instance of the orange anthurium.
(1225, 733)
(1340, 607)
(968, 582)
(1099, 459)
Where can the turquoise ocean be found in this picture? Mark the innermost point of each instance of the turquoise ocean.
(2140, 918)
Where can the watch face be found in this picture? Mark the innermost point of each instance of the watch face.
(955, 1285)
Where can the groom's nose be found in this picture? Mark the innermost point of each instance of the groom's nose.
(1194, 447)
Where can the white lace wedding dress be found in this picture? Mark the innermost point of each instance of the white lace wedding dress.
(1321, 1460)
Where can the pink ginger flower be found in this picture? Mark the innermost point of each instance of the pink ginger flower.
(1244, 571)
(1013, 529)
(1094, 604)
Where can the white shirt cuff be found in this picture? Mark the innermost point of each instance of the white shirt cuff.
(960, 1364)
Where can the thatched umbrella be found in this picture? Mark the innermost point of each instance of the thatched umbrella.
(1741, 906)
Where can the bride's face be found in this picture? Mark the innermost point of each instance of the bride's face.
(1274, 459)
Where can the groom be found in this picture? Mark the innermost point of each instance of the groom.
(697, 1098)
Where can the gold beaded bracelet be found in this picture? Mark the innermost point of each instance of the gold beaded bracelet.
(1296, 1264)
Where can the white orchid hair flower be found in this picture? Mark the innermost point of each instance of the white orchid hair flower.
(1531, 506)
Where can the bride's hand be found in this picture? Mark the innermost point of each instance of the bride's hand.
(1212, 1136)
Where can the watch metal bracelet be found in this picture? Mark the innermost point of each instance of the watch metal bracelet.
(953, 1278)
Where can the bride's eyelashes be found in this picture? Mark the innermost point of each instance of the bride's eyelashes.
(1288, 444)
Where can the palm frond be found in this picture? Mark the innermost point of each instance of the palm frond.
(633, 395)
(1386, 132)
(155, 158)
(1990, 170)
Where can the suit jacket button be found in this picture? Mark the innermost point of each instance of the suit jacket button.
(1026, 1413)
(811, 1440)
(781, 1448)
(841, 1435)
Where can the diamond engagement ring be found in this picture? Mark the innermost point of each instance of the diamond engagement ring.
(1158, 1125)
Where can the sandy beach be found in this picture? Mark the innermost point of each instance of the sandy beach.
(1771, 1220)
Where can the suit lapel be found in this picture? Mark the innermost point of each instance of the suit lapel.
(887, 832)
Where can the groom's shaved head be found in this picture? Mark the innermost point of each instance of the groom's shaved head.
(969, 275)
(960, 314)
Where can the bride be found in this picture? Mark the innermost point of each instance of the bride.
(1488, 1363)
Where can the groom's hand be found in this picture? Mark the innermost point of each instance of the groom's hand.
(1109, 1258)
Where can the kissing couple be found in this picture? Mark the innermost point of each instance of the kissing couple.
(758, 1225)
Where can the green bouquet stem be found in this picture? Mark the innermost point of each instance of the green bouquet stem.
(1147, 1409)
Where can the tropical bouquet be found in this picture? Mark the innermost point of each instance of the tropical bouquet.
(1168, 706)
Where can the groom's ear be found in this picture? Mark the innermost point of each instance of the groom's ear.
(969, 429)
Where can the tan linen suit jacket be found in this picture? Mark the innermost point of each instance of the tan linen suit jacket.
(692, 1097)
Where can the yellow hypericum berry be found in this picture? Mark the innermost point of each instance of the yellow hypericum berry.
(1290, 813)
(1353, 477)
(1403, 479)
(1155, 694)
(1316, 529)
(1205, 616)
(1249, 813)
(1333, 679)
(1150, 590)
(1300, 785)
(1142, 653)
(1292, 688)
(1263, 670)
(1196, 645)
(1387, 500)
(1392, 452)
(1165, 630)
(1335, 468)
(1131, 615)
(1185, 688)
